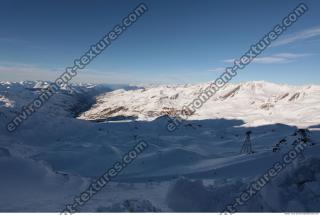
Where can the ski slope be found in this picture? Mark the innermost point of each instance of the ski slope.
(55, 154)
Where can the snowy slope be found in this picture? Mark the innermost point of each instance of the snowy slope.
(53, 156)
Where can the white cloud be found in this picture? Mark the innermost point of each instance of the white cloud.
(279, 58)
(228, 61)
(298, 36)
(291, 55)
(218, 69)
(21, 72)
(273, 59)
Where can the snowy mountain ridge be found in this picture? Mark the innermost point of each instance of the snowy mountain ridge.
(256, 102)
(68, 101)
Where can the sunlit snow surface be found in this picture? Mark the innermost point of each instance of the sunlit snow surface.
(53, 156)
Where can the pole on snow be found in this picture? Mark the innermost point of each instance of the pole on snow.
(247, 145)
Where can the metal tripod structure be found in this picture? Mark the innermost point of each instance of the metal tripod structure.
(247, 145)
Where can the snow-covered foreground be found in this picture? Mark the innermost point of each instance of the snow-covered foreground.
(54, 156)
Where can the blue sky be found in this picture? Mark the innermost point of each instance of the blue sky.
(174, 42)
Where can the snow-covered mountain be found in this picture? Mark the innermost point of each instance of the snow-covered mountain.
(255, 102)
(68, 101)
(19, 94)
